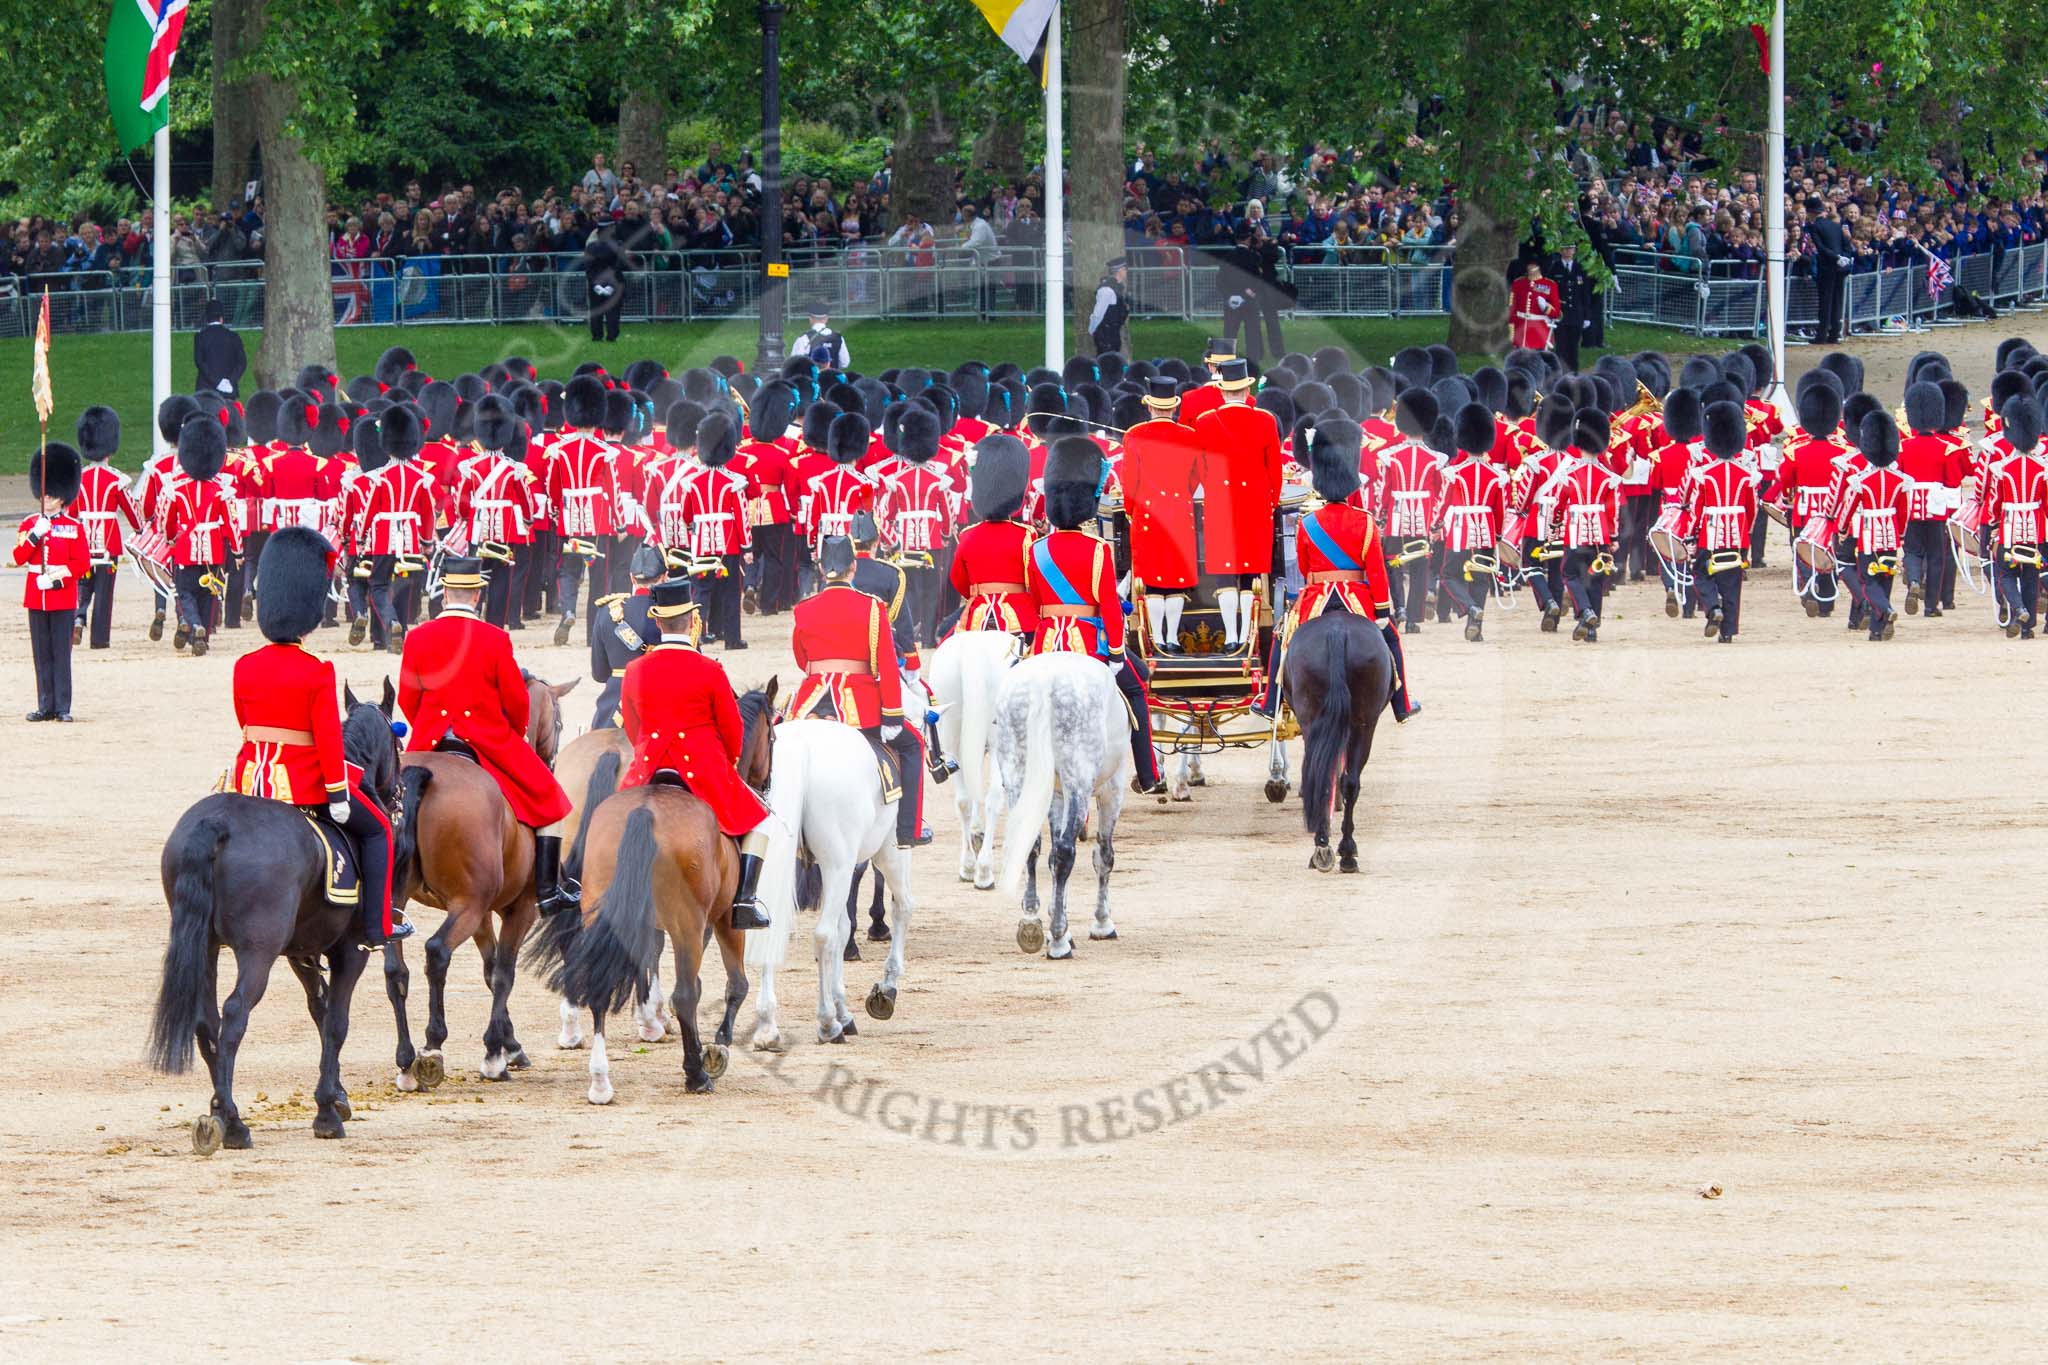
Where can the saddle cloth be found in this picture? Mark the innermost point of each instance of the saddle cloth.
(452, 743)
(343, 881)
(887, 768)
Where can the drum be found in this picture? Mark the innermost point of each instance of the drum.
(1813, 546)
(152, 554)
(1968, 546)
(1665, 541)
(1778, 514)
(1511, 556)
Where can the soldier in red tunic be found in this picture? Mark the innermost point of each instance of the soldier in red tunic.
(52, 545)
(200, 524)
(103, 504)
(1161, 469)
(582, 493)
(988, 563)
(400, 518)
(916, 516)
(1407, 483)
(1933, 470)
(842, 641)
(1469, 514)
(1873, 512)
(1071, 575)
(1586, 517)
(291, 720)
(501, 502)
(1720, 508)
(841, 490)
(1534, 309)
(677, 708)
(714, 507)
(1241, 471)
(2016, 509)
(806, 465)
(764, 459)
(458, 677)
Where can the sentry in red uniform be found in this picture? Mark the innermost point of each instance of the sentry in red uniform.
(458, 676)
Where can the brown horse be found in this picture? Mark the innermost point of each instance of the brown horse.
(459, 849)
(655, 863)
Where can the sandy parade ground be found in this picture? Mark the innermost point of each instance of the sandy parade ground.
(1639, 919)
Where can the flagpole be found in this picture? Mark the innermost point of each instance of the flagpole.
(160, 275)
(1774, 220)
(1055, 203)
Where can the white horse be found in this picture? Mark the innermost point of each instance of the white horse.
(1062, 739)
(826, 796)
(966, 674)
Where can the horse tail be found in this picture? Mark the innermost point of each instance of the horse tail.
(788, 788)
(1034, 802)
(412, 786)
(612, 954)
(181, 999)
(1327, 737)
(604, 780)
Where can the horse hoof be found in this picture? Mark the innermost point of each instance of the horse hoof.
(850, 953)
(1060, 952)
(768, 1043)
(429, 1069)
(1347, 864)
(834, 1039)
(206, 1135)
(405, 1083)
(1030, 935)
(600, 1094)
(494, 1067)
(716, 1058)
(881, 1003)
(694, 1085)
(1102, 935)
(235, 1137)
(569, 1043)
(1183, 795)
(519, 1061)
(985, 885)
(847, 1030)
(967, 874)
(326, 1126)
(1322, 860)
(343, 1110)
(1198, 780)
(652, 1033)
(1276, 790)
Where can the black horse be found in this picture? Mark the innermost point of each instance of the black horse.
(249, 874)
(1339, 677)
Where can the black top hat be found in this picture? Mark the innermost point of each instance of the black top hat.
(671, 599)
(1233, 373)
(1162, 392)
(462, 571)
(1219, 349)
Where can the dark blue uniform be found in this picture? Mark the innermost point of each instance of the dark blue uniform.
(623, 632)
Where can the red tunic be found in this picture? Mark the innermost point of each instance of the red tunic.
(1587, 505)
(1198, 401)
(1721, 508)
(62, 547)
(766, 468)
(835, 496)
(842, 641)
(1355, 538)
(1160, 472)
(282, 687)
(712, 505)
(583, 485)
(1409, 482)
(677, 708)
(1533, 309)
(1671, 472)
(1807, 474)
(399, 511)
(2016, 494)
(498, 500)
(916, 510)
(1241, 470)
(458, 675)
(804, 466)
(994, 553)
(295, 486)
(1470, 509)
(103, 503)
(1932, 469)
(1873, 511)
(199, 521)
(1085, 616)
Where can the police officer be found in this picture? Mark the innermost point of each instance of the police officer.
(821, 345)
(1106, 322)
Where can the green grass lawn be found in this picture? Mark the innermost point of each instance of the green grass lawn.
(115, 369)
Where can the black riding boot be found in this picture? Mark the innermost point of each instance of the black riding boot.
(936, 761)
(554, 896)
(910, 774)
(746, 905)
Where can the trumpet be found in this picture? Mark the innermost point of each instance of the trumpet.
(1645, 402)
(495, 549)
(1410, 551)
(1602, 565)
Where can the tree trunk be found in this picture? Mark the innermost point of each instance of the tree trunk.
(921, 182)
(999, 151)
(1095, 130)
(298, 303)
(234, 124)
(643, 132)
(1487, 157)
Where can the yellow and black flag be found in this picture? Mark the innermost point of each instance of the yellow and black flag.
(1022, 25)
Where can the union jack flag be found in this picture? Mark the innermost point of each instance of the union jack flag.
(166, 20)
(1938, 276)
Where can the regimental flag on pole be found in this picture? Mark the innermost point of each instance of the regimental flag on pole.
(39, 383)
(1022, 25)
(142, 39)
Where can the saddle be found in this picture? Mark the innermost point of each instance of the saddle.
(343, 882)
(452, 743)
(668, 777)
(888, 768)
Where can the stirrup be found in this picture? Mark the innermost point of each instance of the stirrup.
(747, 914)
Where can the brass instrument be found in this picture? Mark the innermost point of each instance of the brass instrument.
(361, 569)
(1410, 551)
(1479, 563)
(1645, 402)
(2023, 556)
(1602, 565)
(1721, 561)
(495, 549)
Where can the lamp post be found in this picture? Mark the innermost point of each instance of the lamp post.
(768, 356)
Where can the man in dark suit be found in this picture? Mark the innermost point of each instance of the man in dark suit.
(1575, 290)
(218, 354)
(1832, 258)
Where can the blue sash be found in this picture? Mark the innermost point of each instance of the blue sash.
(1065, 591)
(1328, 545)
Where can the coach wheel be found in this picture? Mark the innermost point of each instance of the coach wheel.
(1030, 935)
(206, 1135)
(429, 1070)
(716, 1058)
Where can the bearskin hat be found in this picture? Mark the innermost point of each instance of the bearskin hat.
(645, 374)
(317, 380)
(2022, 419)
(718, 439)
(2012, 352)
(1443, 361)
(846, 441)
(1924, 406)
(170, 417)
(1280, 403)
(913, 380)
(1474, 431)
(946, 402)
(1313, 398)
(995, 485)
(617, 415)
(1818, 379)
(1073, 481)
(1521, 399)
(1415, 412)
(917, 435)
(1877, 436)
(1079, 369)
(1328, 360)
(1846, 367)
(202, 447)
(392, 365)
(438, 401)
(99, 433)
(297, 415)
(1721, 391)
(498, 425)
(1378, 385)
(1452, 393)
(1591, 431)
(530, 404)
(892, 421)
(1685, 417)
(56, 471)
(1176, 368)
(1128, 410)
(1621, 374)
(817, 424)
(1855, 408)
(401, 431)
(1726, 431)
(1759, 364)
(1279, 379)
(682, 422)
(1412, 364)
(1554, 422)
(1333, 454)
(360, 390)
(1492, 385)
(972, 386)
(743, 385)
(1350, 393)
(414, 380)
(1698, 371)
(259, 416)
(1955, 404)
(2007, 385)
(773, 409)
(1109, 366)
(1009, 413)
(583, 402)
(472, 388)
(1653, 371)
(1046, 400)
(464, 427)
(1917, 367)
(368, 441)
(295, 568)
(1736, 369)
(665, 392)
(329, 436)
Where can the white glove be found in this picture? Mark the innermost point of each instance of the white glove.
(50, 582)
(890, 732)
(1843, 262)
(40, 527)
(338, 811)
